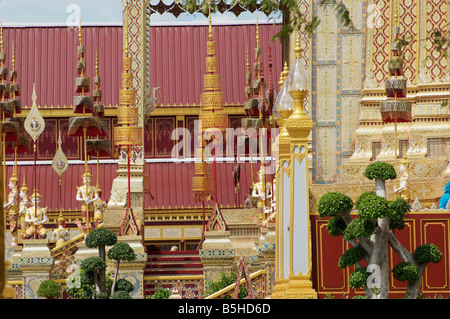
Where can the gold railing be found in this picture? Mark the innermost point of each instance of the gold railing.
(258, 277)
(63, 256)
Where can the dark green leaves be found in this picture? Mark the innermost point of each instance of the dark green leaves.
(405, 271)
(380, 170)
(100, 236)
(351, 256)
(334, 203)
(121, 251)
(427, 253)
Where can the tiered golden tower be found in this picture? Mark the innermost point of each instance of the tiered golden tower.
(213, 121)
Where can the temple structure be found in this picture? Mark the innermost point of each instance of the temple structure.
(138, 152)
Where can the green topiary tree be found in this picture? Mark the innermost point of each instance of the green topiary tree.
(161, 293)
(380, 172)
(372, 232)
(101, 237)
(94, 268)
(121, 295)
(120, 251)
(48, 289)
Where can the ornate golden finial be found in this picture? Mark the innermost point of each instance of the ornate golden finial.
(396, 7)
(13, 59)
(96, 62)
(257, 32)
(125, 33)
(281, 80)
(210, 26)
(285, 71)
(80, 36)
(248, 62)
(1, 36)
(298, 50)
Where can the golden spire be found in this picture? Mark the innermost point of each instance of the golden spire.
(96, 62)
(257, 33)
(13, 59)
(1, 36)
(80, 37)
(210, 26)
(285, 71)
(125, 34)
(298, 50)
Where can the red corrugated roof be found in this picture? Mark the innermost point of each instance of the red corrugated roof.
(47, 56)
(170, 183)
(178, 59)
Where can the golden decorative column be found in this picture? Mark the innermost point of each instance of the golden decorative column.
(294, 234)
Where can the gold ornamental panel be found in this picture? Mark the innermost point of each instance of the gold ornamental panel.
(127, 115)
(211, 48)
(127, 135)
(127, 64)
(202, 168)
(212, 82)
(214, 121)
(212, 101)
(127, 97)
(127, 80)
(211, 64)
(202, 184)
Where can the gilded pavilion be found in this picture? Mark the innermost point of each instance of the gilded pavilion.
(113, 101)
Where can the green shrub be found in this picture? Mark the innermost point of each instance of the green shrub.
(161, 293)
(359, 227)
(380, 170)
(124, 285)
(336, 226)
(120, 295)
(363, 196)
(351, 256)
(358, 278)
(373, 207)
(334, 203)
(100, 236)
(94, 263)
(48, 289)
(405, 271)
(427, 253)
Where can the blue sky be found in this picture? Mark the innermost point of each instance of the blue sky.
(60, 12)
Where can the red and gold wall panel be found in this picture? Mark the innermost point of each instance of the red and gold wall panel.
(421, 228)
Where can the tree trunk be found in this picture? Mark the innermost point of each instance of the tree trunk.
(413, 290)
(113, 288)
(102, 273)
(380, 187)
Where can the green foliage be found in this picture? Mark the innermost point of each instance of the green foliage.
(48, 289)
(100, 236)
(225, 280)
(94, 263)
(124, 285)
(358, 278)
(427, 253)
(336, 226)
(121, 251)
(361, 297)
(440, 41)
(86, 289)
(362, 197)
(380, 170)
(161, 293)
(351, 256)
(334, 203)
(120, 295)
(359, 227)
(405, 271)
(373, 207)
(398, 209)
(275, 9)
